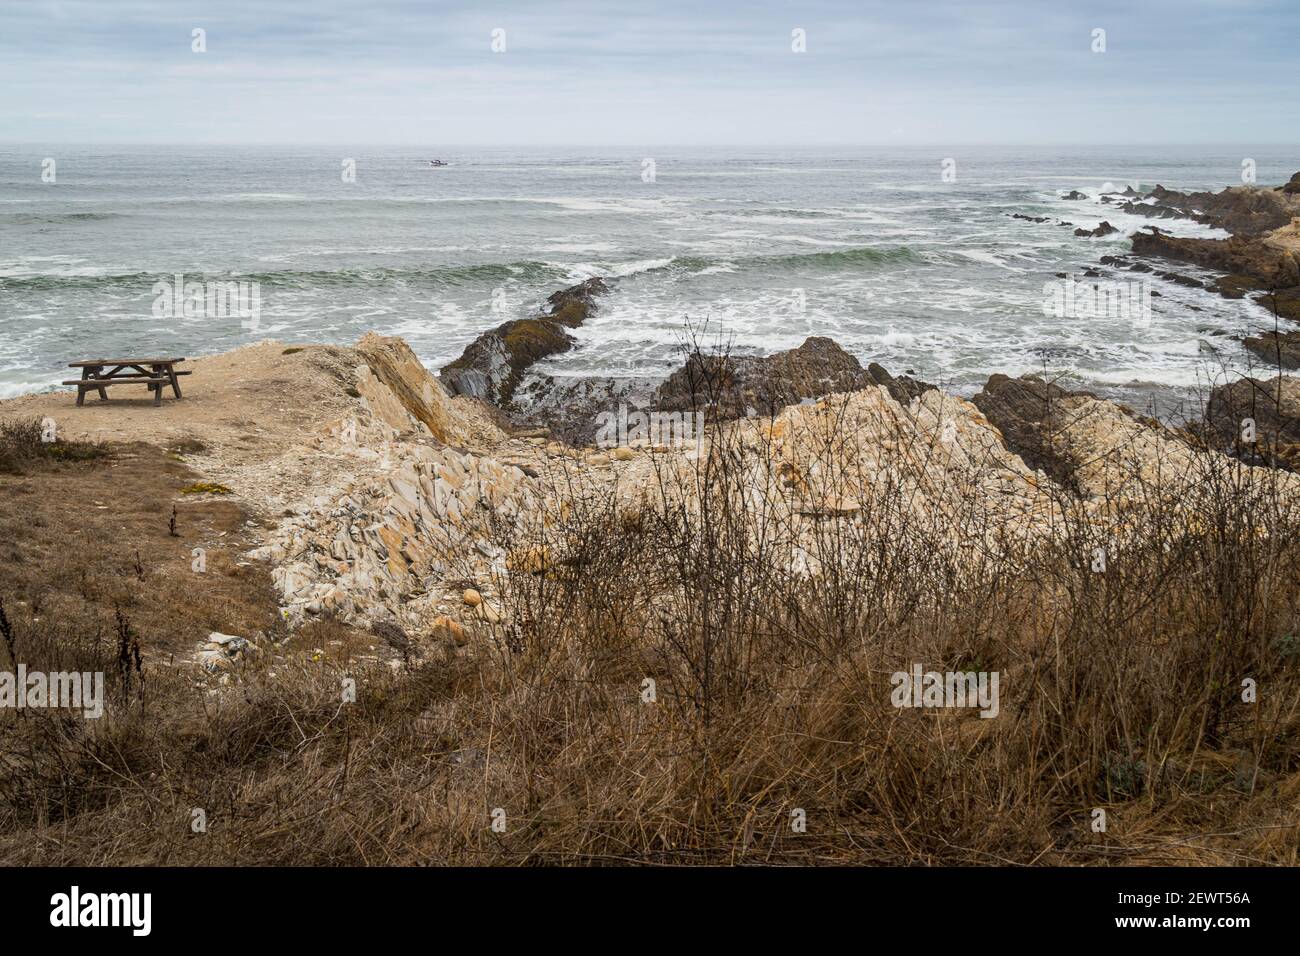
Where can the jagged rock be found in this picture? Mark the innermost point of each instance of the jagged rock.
(1272, 266)
(903, 388)
(1281, 348)
(1274, 407)
(1074, 194)
(569, 408)
(1105, 229)
(1025, 410)
(1262, 264)
(740, 386)
(493, 365)
(1242, 210)
(420, 394)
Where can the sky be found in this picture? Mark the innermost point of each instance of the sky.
(704, 72)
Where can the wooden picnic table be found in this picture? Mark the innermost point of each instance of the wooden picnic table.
(98, 374)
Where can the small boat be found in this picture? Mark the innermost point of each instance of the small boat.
(436, 162)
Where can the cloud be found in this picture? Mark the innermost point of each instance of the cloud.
(673, 71)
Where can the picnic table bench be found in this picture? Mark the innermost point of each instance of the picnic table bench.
(98, 374)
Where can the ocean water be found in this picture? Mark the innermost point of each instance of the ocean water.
(757, 248)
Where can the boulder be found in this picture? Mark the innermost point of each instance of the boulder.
(729, 386)
(1105, 229)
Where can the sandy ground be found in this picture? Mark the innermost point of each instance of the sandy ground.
(256, 397)
(261, 420)
(248, 418)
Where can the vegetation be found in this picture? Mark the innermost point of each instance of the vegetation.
(1121, 690)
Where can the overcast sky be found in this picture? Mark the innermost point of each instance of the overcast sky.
(653, 72)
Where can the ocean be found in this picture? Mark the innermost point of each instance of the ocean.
(754, 248)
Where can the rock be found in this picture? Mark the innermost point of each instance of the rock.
(1279, 348)
(1242, 210)
(397, 367)
(393, 635)
(493, 365)
(1292, 188)
(490, 614)
(445, 627)
(622, 453)
(530, 560)
(728, 387)
(472, 597)
(1105, 229)
(222, 651)
(571, 407)
(1271, 266)
(1024, 410)
(903, 388)
(1074, 194)
(1273, 405)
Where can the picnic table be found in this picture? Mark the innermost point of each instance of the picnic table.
(98, 374)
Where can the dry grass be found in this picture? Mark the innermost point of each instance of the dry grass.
(1120, 690)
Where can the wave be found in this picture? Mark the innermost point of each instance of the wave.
(524, 270)
(445, 276)
(40, 219)
(855, 258)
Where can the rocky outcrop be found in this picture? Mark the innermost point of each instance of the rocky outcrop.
(1026, 411)
(1271, 409)
(1157, 210)
(1105, 229)
(1074, 194)
(493, 365)
(420, 541)
(739, 386)
(1281, 349)
(1093, 448)
(1242, 210)
(392, 362)
(421, 512)
(1270, 265)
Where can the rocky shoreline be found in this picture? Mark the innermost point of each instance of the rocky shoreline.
(406, 503)
(1261, 258)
